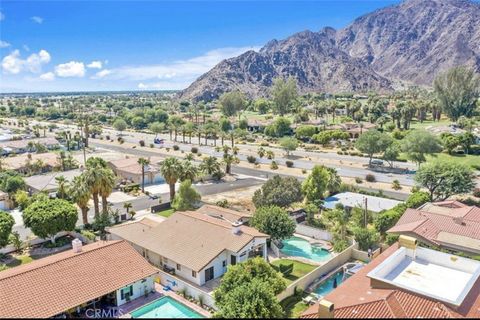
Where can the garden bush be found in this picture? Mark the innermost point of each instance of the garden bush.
(286, 269)
(251, 159)
(274, 165)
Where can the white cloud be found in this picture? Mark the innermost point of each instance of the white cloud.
(95, 65)
(70, 69)
(101, 74)
(178, 73)
(14, 64)
(4, 44)
(49, 76)
(37, 19)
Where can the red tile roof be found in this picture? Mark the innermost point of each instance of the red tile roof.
(449, 217)
(52, 285)
(356, 298)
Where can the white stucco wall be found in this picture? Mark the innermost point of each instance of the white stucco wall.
(139, 288)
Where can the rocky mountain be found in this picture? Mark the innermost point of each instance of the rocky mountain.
(407, 43)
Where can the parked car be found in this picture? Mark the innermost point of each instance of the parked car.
(158, 141)
(377, 162)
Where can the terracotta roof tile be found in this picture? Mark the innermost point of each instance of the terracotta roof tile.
(52, 285)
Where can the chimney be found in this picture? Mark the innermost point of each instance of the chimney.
(325, 309)
(408, 243)
(77, 245)
(236, 227)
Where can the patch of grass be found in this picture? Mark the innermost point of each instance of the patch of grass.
(166, 213)
(467, 159)
(429, 123)
(299, 269)
(293, 306)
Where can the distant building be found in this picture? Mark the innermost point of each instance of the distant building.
(129, 169)
(47, 182)
(358, 200)
(448, 224)
(28, 145)
(406, 281)
(107, 273)
(22, 162)
(225, 213)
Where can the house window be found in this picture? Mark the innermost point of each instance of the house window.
(194, 274)
(179, 267)
(243, 254)
(126, 292)
(224, 263)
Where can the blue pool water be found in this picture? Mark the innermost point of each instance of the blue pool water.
(165, 307)
(327, 285)
(298, 247)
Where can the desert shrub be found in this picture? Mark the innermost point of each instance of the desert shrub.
(175, 147)
(396, 185)
(358, 180)
(289, 163)
(141, 143)
(274, 165)
(194, 150)
(370, 178)
(251, 159)
(476, 192)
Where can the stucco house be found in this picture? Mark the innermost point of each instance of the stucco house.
(191, 245)
(129, 169)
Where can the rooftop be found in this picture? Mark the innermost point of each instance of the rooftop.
(47, 182)
(352, 199)
(224, 213)
(198, 238)
(132, 166)
(49, 286)
(397, 294)
(451, 224)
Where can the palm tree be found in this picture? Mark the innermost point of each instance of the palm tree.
(62, 186)
(106, 185)
(143, 162)
(171, 169)
(80, 194)
(189, 171)
(228, 160)
(92, 180)
(210, 165)
(337, 222)
(127, 206)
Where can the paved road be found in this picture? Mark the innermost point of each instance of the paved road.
(324, 157)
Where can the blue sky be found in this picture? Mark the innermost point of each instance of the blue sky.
(138, 45)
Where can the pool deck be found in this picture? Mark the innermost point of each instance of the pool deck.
(159, 292)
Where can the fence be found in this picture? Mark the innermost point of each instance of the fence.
(314, 233)
(160, 207)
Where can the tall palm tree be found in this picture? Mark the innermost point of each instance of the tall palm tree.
(92, 180)
(171, 169)
(62, 186)
(106, 185)
(143, 162)
(80, 194)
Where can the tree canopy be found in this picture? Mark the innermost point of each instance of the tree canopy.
(443, 179)
(284, 93)
(186, 197)
(372, 142)
(278, 191)
(315, 186)
(47, 217)
(457, 91)
(273, 221)
(419, 143)
(6, 224)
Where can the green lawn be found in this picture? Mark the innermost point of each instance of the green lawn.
(467, 159)
(166, 213)
(20, 260)
(293, 306)
(428, 123)
(299, 269)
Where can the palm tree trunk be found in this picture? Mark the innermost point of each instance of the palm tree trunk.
(143, 179)
(95, 204)
(172, 191)
(104, 205)
(85, 215)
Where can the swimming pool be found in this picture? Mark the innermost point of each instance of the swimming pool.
(298, 247)
(165, 307)
(327, 285)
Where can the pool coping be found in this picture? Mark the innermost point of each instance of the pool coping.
(158, 299)
(306, 260)
(176, 297)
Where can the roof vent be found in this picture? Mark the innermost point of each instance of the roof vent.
(459, 220)
(236, 227)
(77, 245)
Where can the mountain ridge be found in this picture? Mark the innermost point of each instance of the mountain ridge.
(405, 43)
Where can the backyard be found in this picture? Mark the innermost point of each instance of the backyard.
(299, 269)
